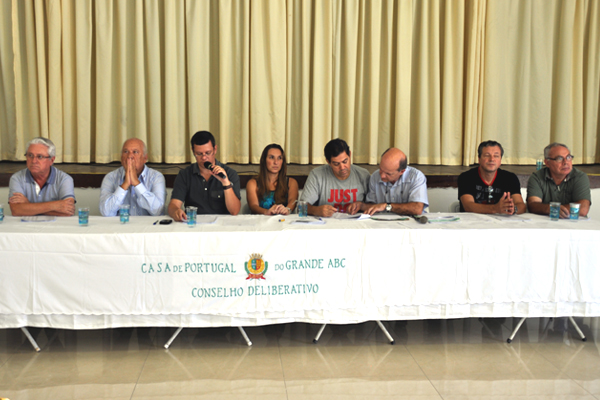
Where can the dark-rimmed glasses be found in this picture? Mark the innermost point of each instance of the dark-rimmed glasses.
(560, 159)
(39, 157)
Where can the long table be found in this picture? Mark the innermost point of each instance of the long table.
(258, 270)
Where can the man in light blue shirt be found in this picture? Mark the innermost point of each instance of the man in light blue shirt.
(41, 189)
(396, 187)
(133, 183)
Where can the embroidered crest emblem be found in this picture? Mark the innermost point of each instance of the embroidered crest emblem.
(256, 267)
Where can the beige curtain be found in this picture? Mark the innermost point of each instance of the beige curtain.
(433, 78)
(542, 77)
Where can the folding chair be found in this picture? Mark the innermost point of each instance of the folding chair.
(454, 207)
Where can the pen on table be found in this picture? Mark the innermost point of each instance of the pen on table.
(155, 222)
(281, 219)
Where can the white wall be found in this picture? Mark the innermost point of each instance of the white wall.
(440, 199)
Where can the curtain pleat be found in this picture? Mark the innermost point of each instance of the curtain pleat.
(433, 78)
(8, 115)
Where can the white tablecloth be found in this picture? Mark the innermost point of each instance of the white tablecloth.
(62, 275)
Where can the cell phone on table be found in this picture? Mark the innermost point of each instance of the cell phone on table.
(165, 221)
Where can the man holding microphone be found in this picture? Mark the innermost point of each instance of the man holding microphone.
(207, 184)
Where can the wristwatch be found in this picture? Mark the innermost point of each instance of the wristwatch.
(228, 186)
(388, 207)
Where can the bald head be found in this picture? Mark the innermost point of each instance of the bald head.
(134, 152)
(392, 165)
(135, 142)
(394, 158)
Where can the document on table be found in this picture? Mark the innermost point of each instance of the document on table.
(39, 218)
(204, 219)
(436, 219)
(309, 221)
(388, 217)
(514, 217)
(357, 217)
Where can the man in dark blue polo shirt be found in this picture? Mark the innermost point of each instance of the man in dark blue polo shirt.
(212, 191)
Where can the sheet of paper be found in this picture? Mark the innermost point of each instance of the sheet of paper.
(436, 219)
(39, 218)
(309, 221)
(515, 218)
(356, 217)
(388, 217)
(204, 219)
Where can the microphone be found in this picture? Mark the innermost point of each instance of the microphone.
(208, 165)
(420, 219)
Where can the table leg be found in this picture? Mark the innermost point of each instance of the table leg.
(31, 339)
(168, 344)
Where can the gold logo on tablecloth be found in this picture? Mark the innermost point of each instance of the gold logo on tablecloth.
(256, 267)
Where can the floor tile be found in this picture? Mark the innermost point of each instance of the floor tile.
(361, 388)
(348, 361)
(72, 392)
(483, 361)
(250, 388)
(578, 360)
(50, 369)
(510, 389)
(191, 364)
(212, 363)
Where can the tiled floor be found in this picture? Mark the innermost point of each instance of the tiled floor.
(432, 359)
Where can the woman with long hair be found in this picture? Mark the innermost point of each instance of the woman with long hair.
(272, 192)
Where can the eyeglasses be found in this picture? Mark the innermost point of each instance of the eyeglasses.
(134, 152)
(560, 159)
(39, 157)
(490, 191)
(207, 154)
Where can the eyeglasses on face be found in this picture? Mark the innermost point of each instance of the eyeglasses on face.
(39, 157)
(134, 152)
(560, 159)
(207, 154)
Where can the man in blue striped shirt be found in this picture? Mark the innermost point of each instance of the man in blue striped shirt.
(395, 187)
(133, 183)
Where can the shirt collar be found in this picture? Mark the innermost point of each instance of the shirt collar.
(548, 176)
(400, 180)
(195, 168)
(49, 181)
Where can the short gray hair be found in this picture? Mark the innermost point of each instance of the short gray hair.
(46, 142)
(552, 145)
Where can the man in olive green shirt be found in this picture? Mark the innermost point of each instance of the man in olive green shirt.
(558, 182)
